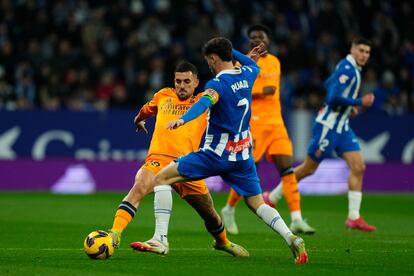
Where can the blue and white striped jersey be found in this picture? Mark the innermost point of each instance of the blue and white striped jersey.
(228, 131)
(342, 93)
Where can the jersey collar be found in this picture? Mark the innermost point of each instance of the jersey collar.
(351, 59)
(235, 70)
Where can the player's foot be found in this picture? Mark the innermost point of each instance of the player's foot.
(298, 250)
(232, 248)
(267, 199)
(301, 226)
(359, 224)
(116, 238)
(153, 246)
(229, 221)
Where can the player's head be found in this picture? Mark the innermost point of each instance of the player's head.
(361, 50)
(216, 51)
(185, 79)
(258, 34)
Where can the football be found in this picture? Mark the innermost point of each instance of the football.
(98, 245)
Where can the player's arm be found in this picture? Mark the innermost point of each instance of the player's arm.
(194, 112)
(341, 81)
(148, 110)
(209, 98)
(243, 59)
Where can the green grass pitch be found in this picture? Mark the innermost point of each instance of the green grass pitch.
(42, 234)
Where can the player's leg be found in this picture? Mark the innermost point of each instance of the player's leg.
(261, 139)
(228, 212)
(291, 193)
(356, 166)
(143, 185)
(162, 211)
(272, 218)
(204, 206)
(243, 178)
(307, 168)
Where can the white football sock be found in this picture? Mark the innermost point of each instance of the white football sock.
(162, 211)
(354, 204)
(229, 209)
(296, 215)
(272, 218)
(276, 194)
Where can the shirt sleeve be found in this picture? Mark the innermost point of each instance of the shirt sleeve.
(197, 109)
(337, 84)
(212, 91)
(149, 109)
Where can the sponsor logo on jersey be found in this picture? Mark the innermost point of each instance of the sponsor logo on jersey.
(238, 146)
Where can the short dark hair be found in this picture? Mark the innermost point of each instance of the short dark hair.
(259, 27)
(220, 46)
(185, 66)
(361, 40)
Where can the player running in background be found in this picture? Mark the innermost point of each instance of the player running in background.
(270, 136)
(331, 131)
(227, 148)
(169, 104)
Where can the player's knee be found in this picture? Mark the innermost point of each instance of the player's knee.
(142, 188)
(160, 178)
(358, 169)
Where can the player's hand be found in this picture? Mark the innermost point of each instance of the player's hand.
(140, 125)
(257, 52)
(175, 124)
(368, 100)
(354, 111)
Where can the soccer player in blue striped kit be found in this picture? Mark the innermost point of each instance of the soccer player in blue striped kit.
(227, 148)
(331, 131)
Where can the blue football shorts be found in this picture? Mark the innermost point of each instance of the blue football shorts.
(240, 175)
(325, 141)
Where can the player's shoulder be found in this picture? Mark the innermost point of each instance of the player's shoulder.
(345, 67)
(272, 58)
(165, 92)
(214, 82)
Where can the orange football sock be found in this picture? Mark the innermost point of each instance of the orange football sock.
(233, 198)
(123, 216)
(220, 235)
(291, 192)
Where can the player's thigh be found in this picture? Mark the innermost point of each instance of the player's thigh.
(243, 178)
(347, 142)
(261, 140)
(280, 142)
(190, 188)
(355, 161)
(169, 175)
(144, 178)
(323, 142)
(200, 165)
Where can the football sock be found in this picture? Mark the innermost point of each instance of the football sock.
(123, 216)
(276, 194)
(354, 204)
(219, 235)
(233, 198)
(291, 190)
(162, 210)
(272, 218)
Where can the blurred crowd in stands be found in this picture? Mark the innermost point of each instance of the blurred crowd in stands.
(94, 55)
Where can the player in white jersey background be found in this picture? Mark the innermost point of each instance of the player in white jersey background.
(331, 131)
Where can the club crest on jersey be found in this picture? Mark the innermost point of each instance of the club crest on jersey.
(343, 78)
(169, 100)
(239, 85)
